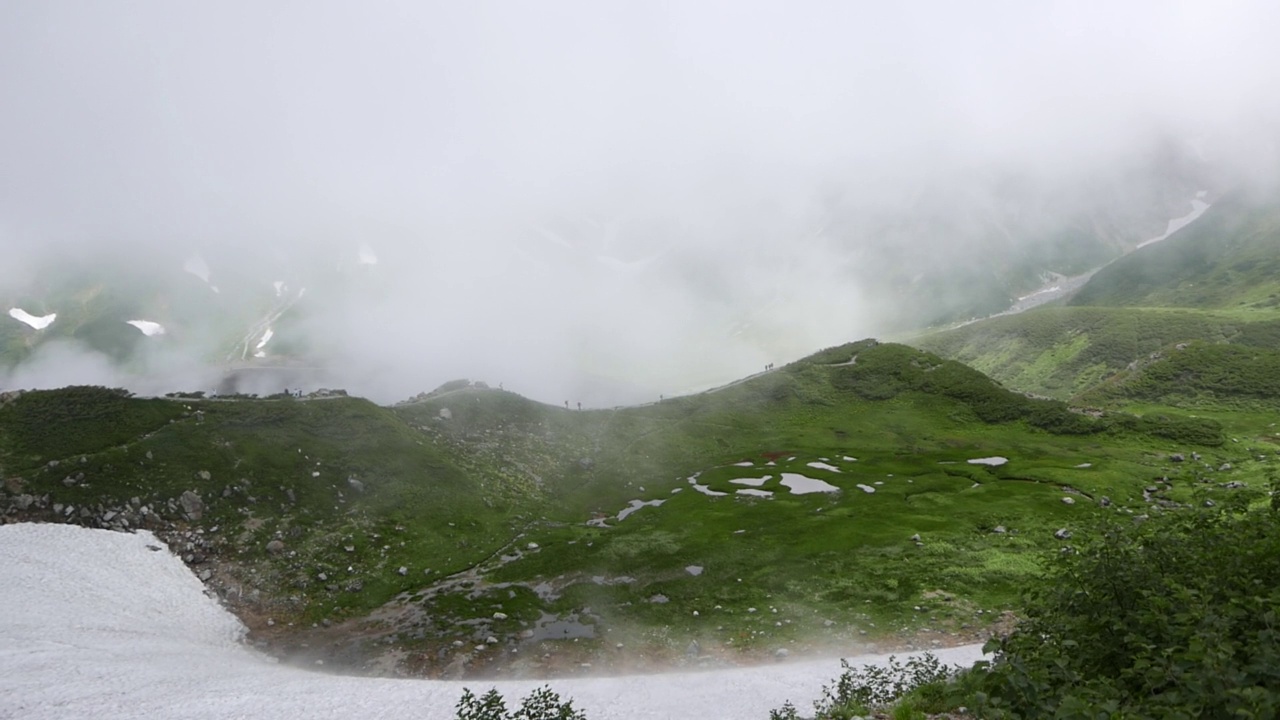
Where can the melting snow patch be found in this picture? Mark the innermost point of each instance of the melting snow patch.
(866, 488)
(801, 485)
(259, 351)
(744, 463)
(636, 505)
(136, 632)
(823, 466)
(994, 461)
(753, 482)
(1198, 207)
(756, 493)
(846, 458)
(694, 570)
(147, 327)
(1085, 465)
(39, 323)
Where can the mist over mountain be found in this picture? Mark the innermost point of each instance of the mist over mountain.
(583, 201)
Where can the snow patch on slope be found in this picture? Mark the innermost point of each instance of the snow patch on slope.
(1198, 206)
(198, 267)
(39, 323)
(147, 327)
(113, 625)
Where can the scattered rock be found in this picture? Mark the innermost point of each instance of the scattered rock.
(694, 649)
(999, 530)
(781, 653)
(192, 505)
(402, 570)
(1177, 457)
(1224, 467)
(275, 547)
(532, 546)
(204, 475)
(446, 413)
(1068, 501)
(499, 616)
(1062, 534)
(356, 484)
(915, 538)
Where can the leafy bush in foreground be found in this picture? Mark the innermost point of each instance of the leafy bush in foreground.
(1177, 617)
(541, 704)
(921, 679)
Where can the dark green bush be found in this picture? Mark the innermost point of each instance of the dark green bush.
(1177, 617)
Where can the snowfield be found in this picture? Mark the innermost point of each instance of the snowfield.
(112, 625)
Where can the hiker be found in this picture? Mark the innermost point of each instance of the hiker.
(579, 406)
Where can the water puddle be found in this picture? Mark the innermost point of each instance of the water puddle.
(551, 627)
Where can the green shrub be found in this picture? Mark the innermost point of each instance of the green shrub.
(922, 679)
(541, 704)
(1176, 617)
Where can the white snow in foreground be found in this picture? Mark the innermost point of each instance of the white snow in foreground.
(366, 255)
(39, 323)
(96, 624)
(1198, 207)
(147, 327)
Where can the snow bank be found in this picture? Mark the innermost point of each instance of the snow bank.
(99, 624)
(147, 327)
(39, 323)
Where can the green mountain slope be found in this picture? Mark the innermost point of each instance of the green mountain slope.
(834, 500)
(1060, 352)
(1228, 259)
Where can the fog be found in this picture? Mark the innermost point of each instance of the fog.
(586, 200)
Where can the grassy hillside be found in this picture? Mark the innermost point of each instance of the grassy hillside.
(1227, 259)
(828, 502)
(1060, 352)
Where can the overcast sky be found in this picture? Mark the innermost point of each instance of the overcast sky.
(465, 135)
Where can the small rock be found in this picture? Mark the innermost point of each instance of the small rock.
(999, 530)
(532, 546)
(402, 570)
(192, 505)
(1177, 457)
(915, 538)
(1224, 467)
(491, 640)
(1062, 534)
(275, 547)
(499, 616)
(1068, 501)
(781, 653)
(693, 650)
(204, 475)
